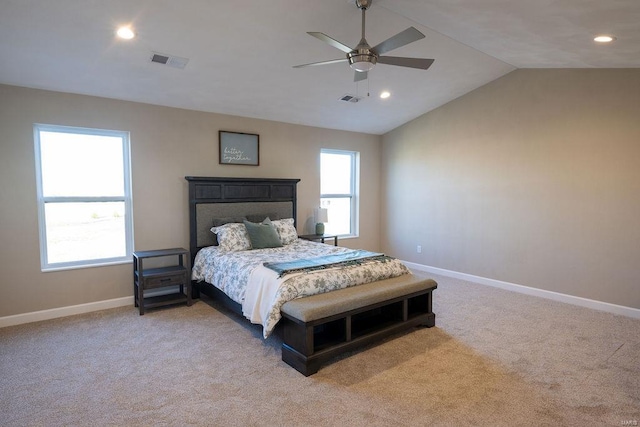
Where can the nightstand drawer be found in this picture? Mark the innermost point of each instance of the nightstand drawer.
(158, 282)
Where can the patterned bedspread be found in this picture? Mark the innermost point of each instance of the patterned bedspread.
(242, 276)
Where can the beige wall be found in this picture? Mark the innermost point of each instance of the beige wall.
(533, 179)
(167, 144)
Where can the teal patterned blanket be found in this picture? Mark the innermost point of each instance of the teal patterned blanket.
(355, 257)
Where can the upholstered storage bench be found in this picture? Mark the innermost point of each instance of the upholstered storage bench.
(319, 327)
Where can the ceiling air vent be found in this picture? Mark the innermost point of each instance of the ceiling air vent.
(170, 60)
(350, 98)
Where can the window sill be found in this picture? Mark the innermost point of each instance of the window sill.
(348, 236)
(81, 266)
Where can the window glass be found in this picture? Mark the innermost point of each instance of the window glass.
(81, 165)
(336, 173)
(339, 213)
(77, 231)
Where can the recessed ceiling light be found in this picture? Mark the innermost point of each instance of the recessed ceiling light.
(385, 95)
(125, 33)
(604, 39)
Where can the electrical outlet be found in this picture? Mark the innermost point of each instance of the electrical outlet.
(419, 249)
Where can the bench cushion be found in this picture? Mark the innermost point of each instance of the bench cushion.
(328, 304)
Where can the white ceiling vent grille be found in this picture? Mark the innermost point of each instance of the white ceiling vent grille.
(170, 60)
(350, 98)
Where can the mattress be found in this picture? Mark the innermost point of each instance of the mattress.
(261, 292)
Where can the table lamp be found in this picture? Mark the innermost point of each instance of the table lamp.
(322, 216)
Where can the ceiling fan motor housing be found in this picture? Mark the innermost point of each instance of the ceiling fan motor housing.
(362, 58)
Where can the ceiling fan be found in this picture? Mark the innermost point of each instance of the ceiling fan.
(363, 57)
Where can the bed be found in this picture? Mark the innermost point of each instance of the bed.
(262, 284)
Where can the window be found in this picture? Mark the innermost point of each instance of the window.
(338, 190)
(84, 196)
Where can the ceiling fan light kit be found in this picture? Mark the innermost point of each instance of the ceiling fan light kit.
(364, 57)
(362, 62)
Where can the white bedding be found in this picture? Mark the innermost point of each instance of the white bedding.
(242, 276)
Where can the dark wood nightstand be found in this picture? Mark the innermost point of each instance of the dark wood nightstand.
(155, 278)
(321, 237)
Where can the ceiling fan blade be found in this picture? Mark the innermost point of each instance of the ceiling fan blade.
(335, 43)
(421, 63)
(405, 37)
(331, 61)
(359, 76)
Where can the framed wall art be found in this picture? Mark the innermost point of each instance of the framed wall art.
(239, 148)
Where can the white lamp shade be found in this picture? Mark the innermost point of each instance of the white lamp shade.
(322, 215)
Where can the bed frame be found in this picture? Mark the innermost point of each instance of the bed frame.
(214, 197)
(211, 198)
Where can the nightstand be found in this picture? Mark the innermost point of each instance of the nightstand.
(145, 279)
(321, 237)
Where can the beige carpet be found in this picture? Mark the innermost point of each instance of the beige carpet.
(495, 358)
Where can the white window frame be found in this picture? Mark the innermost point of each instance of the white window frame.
(354, 189)
(42, 200)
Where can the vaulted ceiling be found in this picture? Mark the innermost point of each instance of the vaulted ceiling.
(240, 54)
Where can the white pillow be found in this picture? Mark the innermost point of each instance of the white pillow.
(232, 237)
(286, 230)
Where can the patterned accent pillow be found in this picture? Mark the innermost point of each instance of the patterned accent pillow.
(286, 230)
(232, 237)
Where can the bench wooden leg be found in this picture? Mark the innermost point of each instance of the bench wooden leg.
(430, 322)
(299, 362)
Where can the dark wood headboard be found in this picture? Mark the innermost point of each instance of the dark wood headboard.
(210, 197)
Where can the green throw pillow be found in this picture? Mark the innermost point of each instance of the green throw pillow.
(262, 235)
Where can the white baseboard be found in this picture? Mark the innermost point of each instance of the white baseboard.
(556, 296)
(54, 313)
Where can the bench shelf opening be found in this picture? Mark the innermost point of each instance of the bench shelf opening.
(418, 305)
(329, 334)
(374, 320)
